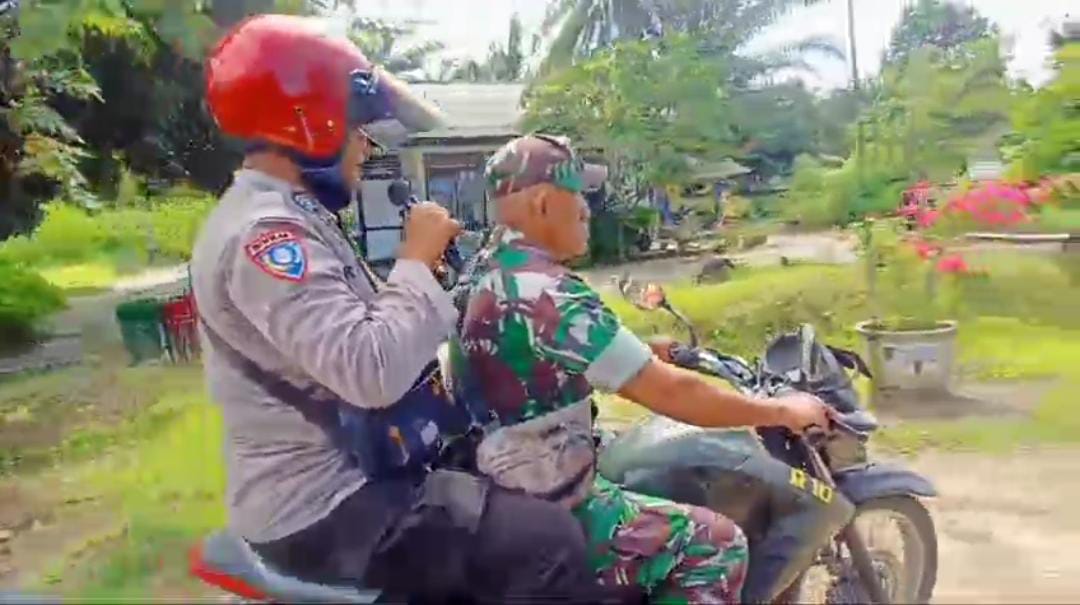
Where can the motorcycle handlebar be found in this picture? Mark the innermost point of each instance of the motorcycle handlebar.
(816, 435)
(691, 358)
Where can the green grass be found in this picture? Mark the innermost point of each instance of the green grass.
(1020, 324)
(1055, 421)
(741, 315)
(167, 487)
(1057, 220)
(77, 414)
(170, 492)
(998, 348)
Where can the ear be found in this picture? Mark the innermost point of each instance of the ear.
(538, 203)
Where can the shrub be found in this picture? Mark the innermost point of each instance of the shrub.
(1058, 220)
(126, 237)
(738, 208)
(820, 198)
(739, 316)
(25, 299)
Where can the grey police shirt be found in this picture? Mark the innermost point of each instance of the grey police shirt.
(276, 279)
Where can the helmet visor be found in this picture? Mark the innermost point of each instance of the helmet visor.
(376, 97)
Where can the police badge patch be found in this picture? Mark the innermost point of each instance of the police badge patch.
(306, 201)
(279, 254)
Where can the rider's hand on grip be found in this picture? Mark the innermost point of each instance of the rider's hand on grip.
(428, 231)
(663, 347)
(799, 412)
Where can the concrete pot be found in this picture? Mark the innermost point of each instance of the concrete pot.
(911, 360)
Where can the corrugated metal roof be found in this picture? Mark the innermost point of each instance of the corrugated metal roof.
(473, 110)
(716, 170)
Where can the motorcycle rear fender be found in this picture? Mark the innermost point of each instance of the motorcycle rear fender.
(864, 483)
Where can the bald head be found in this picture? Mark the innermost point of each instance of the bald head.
(537, 182)
(549, 217)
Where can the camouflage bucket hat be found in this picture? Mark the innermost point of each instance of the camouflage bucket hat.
(537, 158)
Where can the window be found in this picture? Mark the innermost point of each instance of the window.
(379, 221)
(456, 180)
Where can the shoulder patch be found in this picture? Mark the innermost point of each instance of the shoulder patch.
(279, 254)
(306, 201)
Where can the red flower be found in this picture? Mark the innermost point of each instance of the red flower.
(925, 249)
(909, 211)
(993, 204)
(928, 218)
(953, 264)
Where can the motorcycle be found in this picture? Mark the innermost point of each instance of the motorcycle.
(680, 462)
(683, 463)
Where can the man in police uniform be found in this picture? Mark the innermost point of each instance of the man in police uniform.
(301, 335)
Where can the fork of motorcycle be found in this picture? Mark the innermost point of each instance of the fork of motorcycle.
(860, 555)
(864, 564)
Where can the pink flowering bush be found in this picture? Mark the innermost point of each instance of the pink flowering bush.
(916, 275)
(994, 206)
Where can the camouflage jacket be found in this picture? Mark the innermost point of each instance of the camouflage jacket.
(535, 341)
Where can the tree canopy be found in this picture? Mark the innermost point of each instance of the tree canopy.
(583, 27)
(646, 104)
(1048, 122)
(939, 23)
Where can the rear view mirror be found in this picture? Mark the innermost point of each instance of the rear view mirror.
(649, 297)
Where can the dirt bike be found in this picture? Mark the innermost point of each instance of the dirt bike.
(856, 565)
(853, 567)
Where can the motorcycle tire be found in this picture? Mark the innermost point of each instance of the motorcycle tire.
(923, 524)
(913, 510)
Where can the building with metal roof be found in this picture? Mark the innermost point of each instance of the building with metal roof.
(444, 164)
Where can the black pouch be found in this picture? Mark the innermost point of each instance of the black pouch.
(434, 539)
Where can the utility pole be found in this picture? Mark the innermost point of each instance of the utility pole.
(851, 44)
(855, 87)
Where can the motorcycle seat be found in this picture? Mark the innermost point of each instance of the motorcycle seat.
(228, 562)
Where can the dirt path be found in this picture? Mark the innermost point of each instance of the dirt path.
(1007, 526)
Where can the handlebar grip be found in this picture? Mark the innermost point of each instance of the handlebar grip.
(452, 256)
(684, 356)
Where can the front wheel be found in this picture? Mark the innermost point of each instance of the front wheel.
(900, 537)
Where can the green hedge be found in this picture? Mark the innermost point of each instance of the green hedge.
(162, 230)
(25, 300)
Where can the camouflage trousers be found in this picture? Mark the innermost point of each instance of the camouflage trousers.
(678, 553)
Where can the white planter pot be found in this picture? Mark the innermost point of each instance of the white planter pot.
(911, 360)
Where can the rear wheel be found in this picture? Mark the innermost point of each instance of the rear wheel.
(902, 543)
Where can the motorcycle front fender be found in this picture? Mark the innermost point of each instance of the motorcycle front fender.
(864, 483)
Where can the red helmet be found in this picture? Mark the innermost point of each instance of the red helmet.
(285, 80)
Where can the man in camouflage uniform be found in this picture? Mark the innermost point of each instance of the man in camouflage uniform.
(536, 340)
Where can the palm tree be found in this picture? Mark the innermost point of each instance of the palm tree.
(380, 42)
(504, 63)
(580, 27)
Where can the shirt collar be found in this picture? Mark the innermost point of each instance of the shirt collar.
(258, 177)
(516, 240)
(296, 195)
